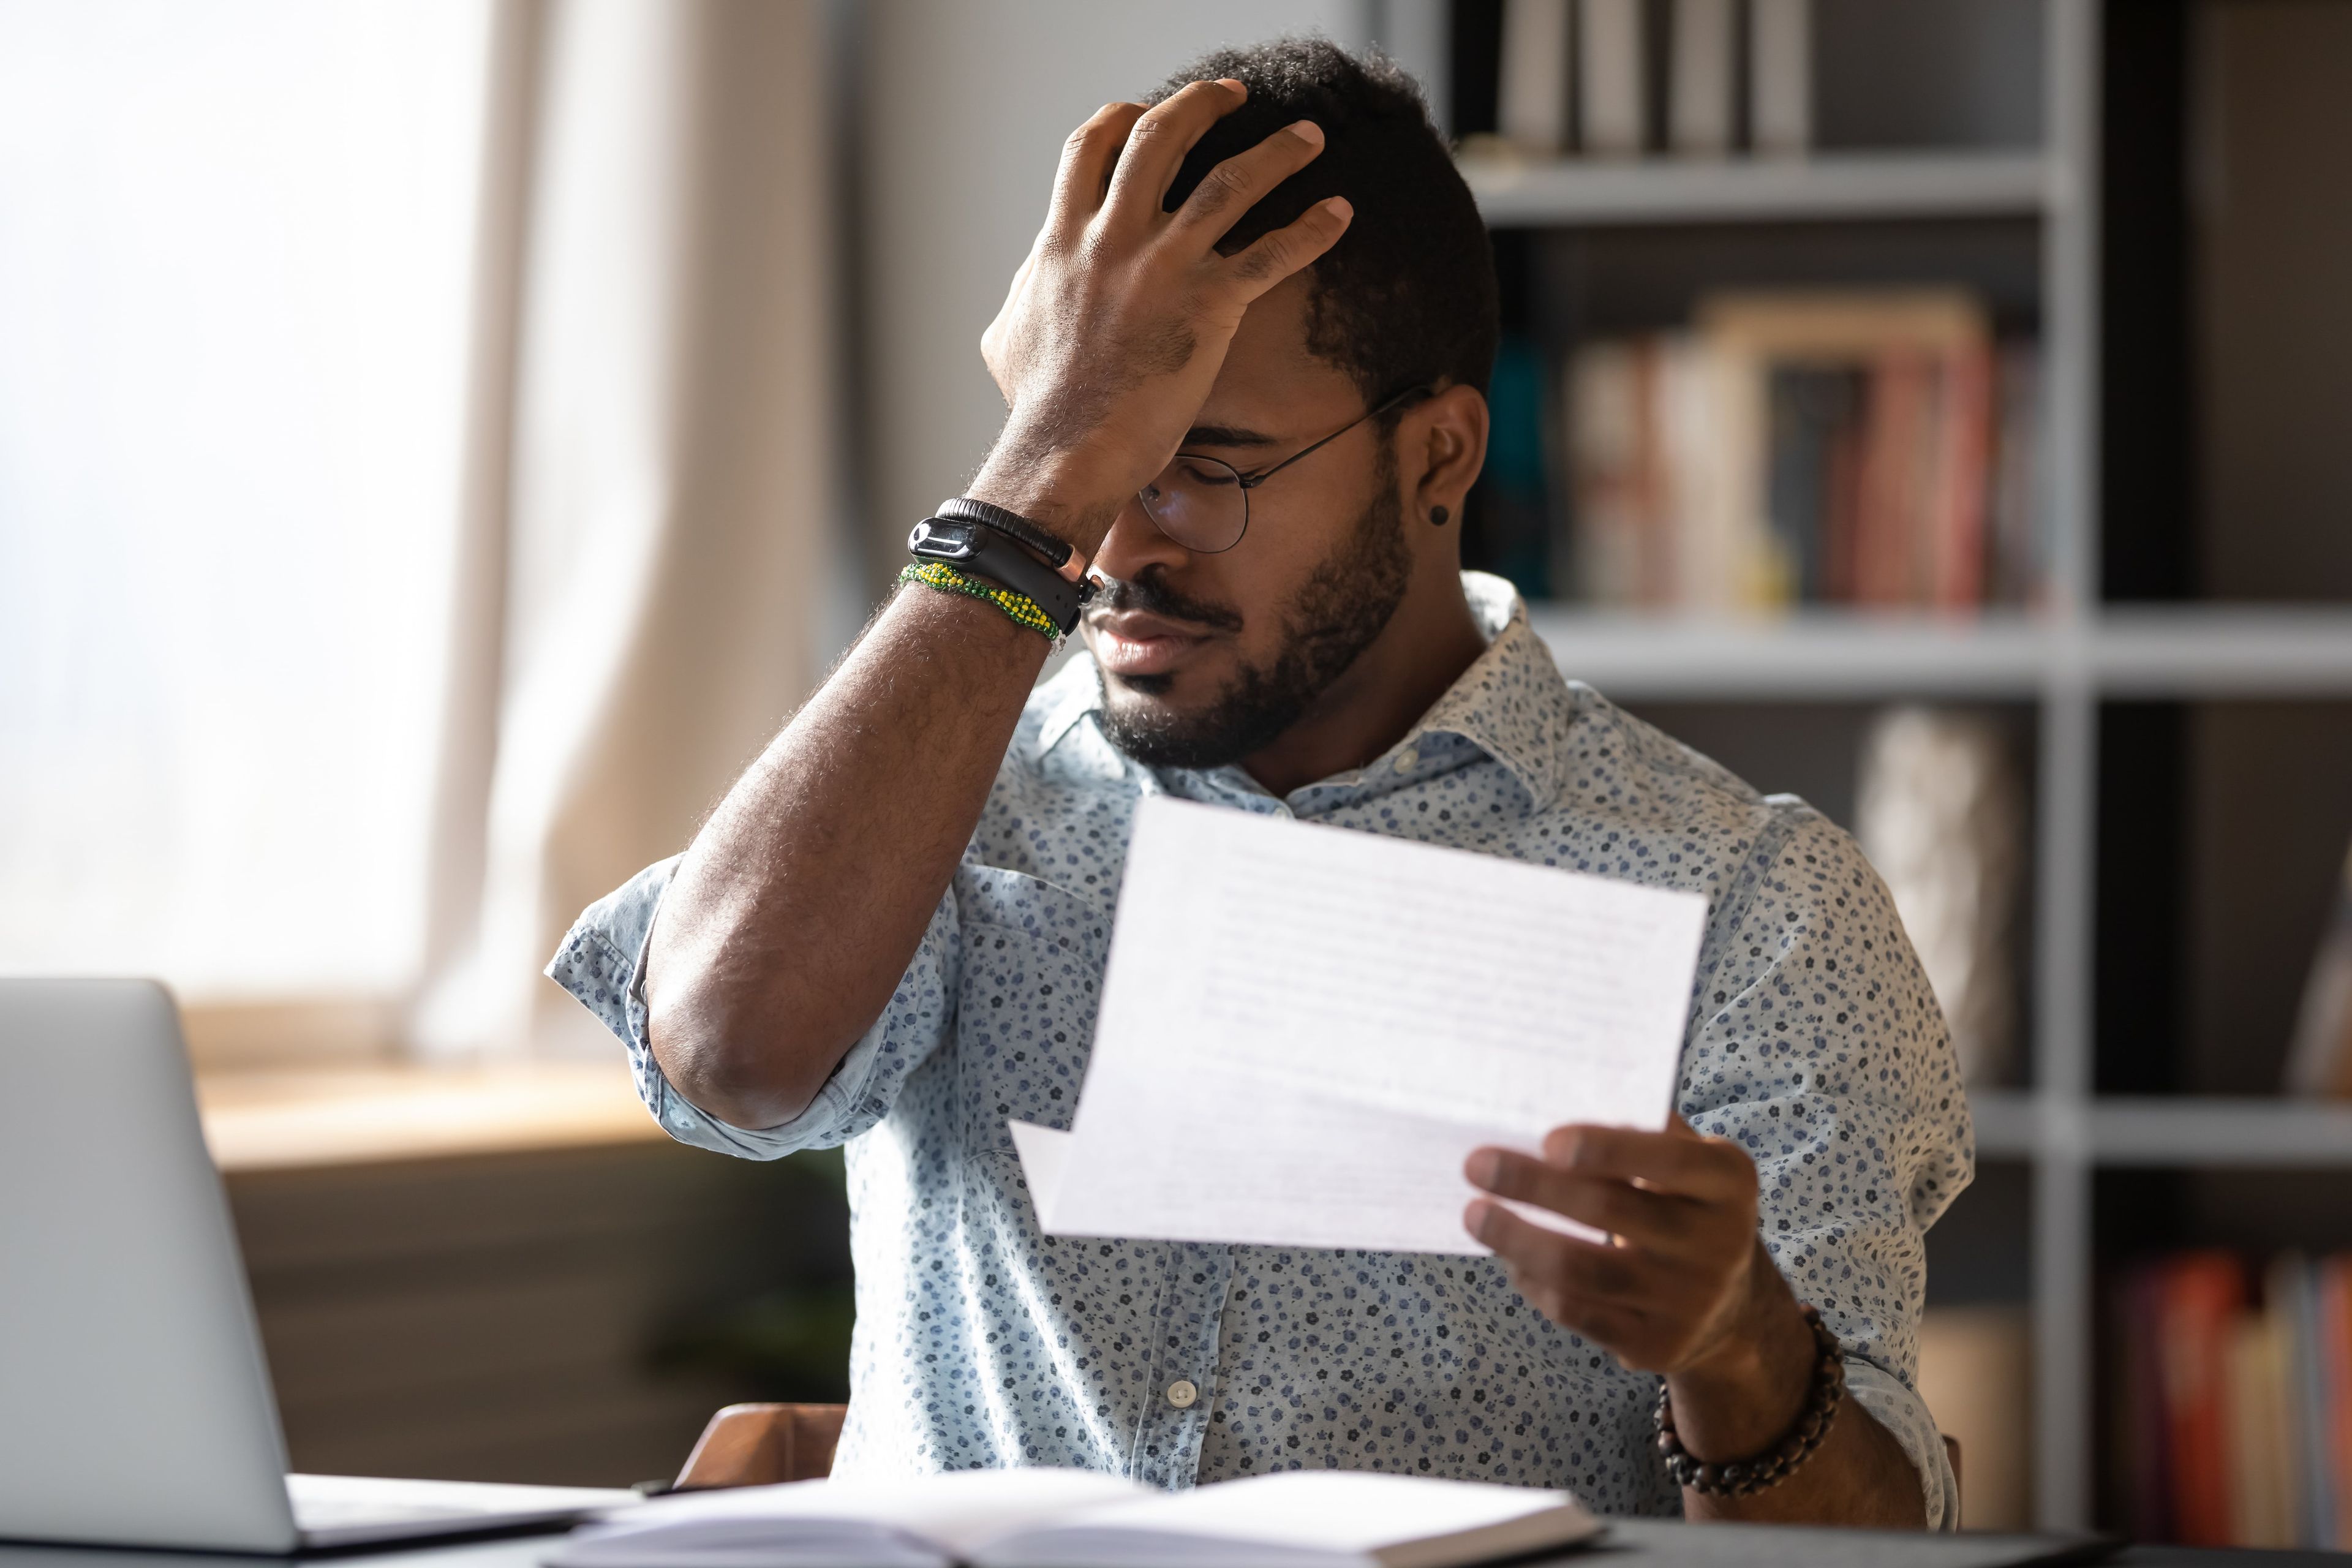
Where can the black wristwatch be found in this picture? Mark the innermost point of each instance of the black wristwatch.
(1058, 553)
(987, 553)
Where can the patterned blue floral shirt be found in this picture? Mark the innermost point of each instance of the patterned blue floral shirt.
(1814, 1041)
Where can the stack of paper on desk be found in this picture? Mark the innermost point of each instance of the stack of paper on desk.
(1077, 1519)
(1305, 1031)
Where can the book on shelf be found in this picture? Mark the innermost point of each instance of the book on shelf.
(1512, 520)
(1976, 1375)
(2331, 1315)
(1613, 79)
(2019, 524)
(2254, 1381)
(1702, 102)
(1531, 98)
(1042, 1518)
(2294, 1301)
(1781, 76)
(2233, 1419)
(2319, 1061)
(1625, 78)
(2202, 1300)
(1865, 448)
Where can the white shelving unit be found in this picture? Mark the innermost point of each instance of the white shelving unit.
(2062, 659)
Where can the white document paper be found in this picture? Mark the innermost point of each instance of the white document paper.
(1305, 1031)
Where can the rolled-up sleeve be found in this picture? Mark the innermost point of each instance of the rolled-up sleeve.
(1819, 1048)
(602, 963)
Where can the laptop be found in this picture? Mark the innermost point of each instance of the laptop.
(135, 1406)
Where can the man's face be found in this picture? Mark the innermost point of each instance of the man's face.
(1206, 658)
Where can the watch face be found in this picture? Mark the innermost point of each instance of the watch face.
(936, 540)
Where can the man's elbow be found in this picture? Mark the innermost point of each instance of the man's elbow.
(739, 1069)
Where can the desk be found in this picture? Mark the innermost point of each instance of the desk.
(1629, 1542)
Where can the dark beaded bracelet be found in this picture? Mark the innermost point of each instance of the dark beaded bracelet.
(1743, 1477)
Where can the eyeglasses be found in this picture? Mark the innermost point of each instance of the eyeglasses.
(1203, 503)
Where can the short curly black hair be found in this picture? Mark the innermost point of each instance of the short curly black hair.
(1408, 296)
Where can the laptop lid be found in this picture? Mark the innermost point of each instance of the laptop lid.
(135, 1406)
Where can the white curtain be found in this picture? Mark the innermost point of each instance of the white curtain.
(650, 530)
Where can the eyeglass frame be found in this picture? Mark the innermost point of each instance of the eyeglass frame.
(1250, 482)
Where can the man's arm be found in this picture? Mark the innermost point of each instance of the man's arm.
(804, 897)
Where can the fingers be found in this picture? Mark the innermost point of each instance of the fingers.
(1560, 1276)
(1680, 1211)
(1296, 244)
(1233, 186)
(1630, 1302)
(1101, 174)
(1604, 1203)
(1682, 1162)
(1088, 158)
(1161, 137)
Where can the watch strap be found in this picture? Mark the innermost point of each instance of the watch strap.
(984, 552)
(1059, 553)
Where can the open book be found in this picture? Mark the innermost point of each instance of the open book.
(1066, 1519)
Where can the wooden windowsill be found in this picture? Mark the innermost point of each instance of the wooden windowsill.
(288, 1119)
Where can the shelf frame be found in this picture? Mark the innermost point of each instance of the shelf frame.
(1823, 186)
(2185, 1132)
(2201, 1132)
(2184, 652)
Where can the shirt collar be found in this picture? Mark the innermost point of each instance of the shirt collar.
(1075, 692)
(1512, 703)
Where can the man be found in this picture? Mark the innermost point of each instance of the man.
(892, 931)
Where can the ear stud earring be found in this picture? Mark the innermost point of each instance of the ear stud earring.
(1438, 514)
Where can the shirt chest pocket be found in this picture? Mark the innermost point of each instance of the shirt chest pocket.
(1032, 962)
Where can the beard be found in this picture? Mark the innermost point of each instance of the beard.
(1345, 603)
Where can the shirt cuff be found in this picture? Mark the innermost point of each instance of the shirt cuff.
(602, 963)
(1894, 1406)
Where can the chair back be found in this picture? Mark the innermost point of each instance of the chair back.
(758, 1444)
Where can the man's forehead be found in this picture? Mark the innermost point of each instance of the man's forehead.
(1270, 386)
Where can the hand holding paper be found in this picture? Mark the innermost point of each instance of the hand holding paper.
(1305, 1031)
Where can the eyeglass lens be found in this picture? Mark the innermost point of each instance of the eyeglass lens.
(1199, 502)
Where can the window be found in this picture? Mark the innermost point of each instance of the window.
(236, 266)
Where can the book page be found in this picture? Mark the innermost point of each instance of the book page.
(906, 1522)
(1304, 1031)
(1303, 1516)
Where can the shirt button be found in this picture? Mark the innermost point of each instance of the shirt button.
(1181, 1394)
(1406, 759)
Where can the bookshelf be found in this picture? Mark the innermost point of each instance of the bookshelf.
(2109, 633)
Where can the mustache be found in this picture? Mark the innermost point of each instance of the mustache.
(1150, 594)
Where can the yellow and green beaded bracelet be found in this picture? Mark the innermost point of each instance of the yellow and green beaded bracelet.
(1021, 608)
